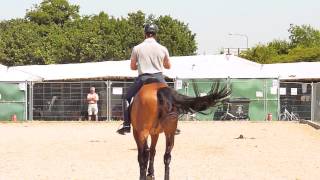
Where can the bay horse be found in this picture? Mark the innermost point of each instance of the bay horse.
(156, 109)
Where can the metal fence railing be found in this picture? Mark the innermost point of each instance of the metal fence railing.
(252, 99)
(315, 105)
(295, 100)
(116, 103)
(67, 100)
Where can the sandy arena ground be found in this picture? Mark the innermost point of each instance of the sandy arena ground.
(204, 151)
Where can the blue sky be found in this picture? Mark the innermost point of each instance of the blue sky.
(211, 20)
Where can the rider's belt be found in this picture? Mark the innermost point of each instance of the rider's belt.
(149, 74)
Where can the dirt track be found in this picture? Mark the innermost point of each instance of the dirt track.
(204, 151)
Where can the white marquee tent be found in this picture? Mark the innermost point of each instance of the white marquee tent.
(215, 66)
(209, 66)
(291, 71)
(10, 75)
(185, 67)
(80, 70)
(3, 67)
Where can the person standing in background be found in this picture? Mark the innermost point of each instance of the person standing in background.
(92, 99)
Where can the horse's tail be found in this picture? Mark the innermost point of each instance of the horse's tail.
(171, 100)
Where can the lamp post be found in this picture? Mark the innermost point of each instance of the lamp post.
(243, 35)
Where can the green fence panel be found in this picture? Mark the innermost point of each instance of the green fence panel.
(12, 92)
(272, 98)
(272, 107)
(9, 109)
(262, 93)
(248, 88)
(204, 86)
(12, 100)
(256, 110)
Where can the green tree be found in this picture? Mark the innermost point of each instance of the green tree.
(299, 54)
(53, 32)
(21, 40)
(176, 36)
(2, 56)
(260, 54)
(304, 35)
(303, 45)
(2, 49)
(280, 46)
(135, 33)
(53, 11)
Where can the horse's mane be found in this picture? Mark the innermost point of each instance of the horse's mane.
(171, 101)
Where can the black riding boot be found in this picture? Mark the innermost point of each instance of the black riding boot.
(126, 124)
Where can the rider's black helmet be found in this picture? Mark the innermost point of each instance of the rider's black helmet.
(150, 29)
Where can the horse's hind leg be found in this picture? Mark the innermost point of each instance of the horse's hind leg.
(154, 140)
(169, 127)
(146, 154)
(167, 155)
(143, 154)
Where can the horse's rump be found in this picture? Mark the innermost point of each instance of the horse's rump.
(144, 111)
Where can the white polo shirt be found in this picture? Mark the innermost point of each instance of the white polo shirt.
(150, 56)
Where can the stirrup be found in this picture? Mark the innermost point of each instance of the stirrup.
(124, 129)
(178, 131)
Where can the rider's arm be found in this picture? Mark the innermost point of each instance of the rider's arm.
(133, 64)
(166, 61)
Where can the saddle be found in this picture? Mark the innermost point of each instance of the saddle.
(151, 80)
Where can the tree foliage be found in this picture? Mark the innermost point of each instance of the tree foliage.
(304, 36)
(176, 36)
(303, 45)
(53, 12)
(54, 32)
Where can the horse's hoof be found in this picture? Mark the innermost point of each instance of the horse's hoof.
(150, 178)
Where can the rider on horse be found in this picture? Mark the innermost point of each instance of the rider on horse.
(149, 58)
